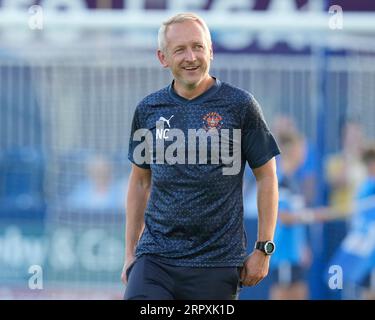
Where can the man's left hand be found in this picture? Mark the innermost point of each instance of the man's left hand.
(255, 268)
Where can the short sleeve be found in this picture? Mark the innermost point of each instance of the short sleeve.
(258, 143)
(133, 143)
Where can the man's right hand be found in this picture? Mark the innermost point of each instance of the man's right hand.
(127, 264)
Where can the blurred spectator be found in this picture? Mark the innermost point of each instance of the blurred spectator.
(356, 254)
(292, 256)
(99, 191)
(283, 124)
(366, 212)
(345, 170)
(306, 172)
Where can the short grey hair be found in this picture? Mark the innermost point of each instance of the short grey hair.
(179, 18)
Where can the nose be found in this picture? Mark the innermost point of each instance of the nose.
(190, 55)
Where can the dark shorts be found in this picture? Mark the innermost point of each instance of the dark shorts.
(287, 274)
(150, 279)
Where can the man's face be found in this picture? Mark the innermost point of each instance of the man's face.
(187, 53)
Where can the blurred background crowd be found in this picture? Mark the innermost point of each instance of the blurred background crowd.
(71, 75)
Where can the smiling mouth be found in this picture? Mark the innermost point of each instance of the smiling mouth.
(190, 68)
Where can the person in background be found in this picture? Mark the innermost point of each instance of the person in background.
(290, 260)
(356, 254)
(345, 171)
(306, 173)
(99, 191)
(366, 209)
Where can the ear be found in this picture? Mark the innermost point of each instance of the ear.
(162, 58)
(211, 53)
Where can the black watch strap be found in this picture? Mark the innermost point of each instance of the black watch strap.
(261, 245)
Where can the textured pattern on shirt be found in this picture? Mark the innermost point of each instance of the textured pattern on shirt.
(194, 215)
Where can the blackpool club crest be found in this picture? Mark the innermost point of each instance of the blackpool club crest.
(212, 120)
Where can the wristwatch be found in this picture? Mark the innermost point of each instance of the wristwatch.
(267, 247)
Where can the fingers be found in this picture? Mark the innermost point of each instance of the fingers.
(256, 281)
(127, 265)
(255, 269)
(243, 274)
(123, 277)
(250, 280)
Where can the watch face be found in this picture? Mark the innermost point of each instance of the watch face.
(269, 247)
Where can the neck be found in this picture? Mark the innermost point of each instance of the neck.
(191, 92)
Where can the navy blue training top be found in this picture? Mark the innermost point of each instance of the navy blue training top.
(194, 216)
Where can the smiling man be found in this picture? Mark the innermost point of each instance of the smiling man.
(185, 47)
(184, 221)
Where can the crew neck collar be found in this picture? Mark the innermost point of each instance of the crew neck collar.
(208, 93)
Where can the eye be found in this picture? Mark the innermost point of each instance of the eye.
(178, 50)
